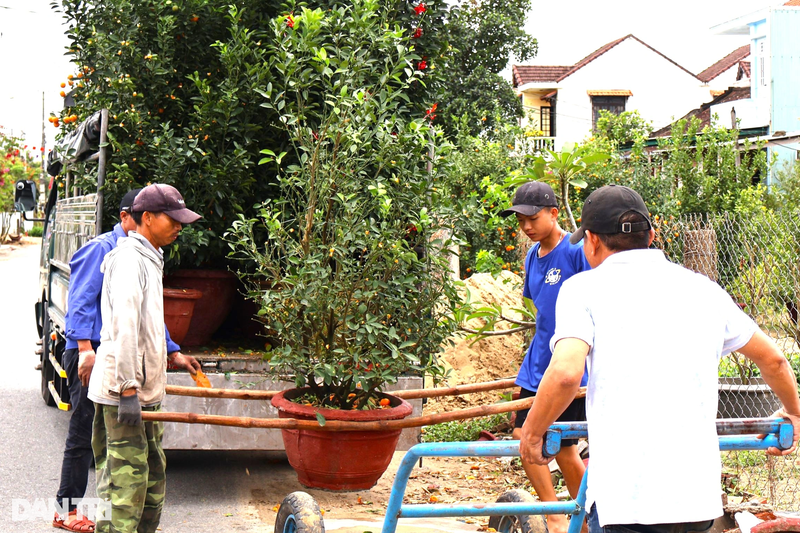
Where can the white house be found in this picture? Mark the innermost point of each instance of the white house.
(623, 75)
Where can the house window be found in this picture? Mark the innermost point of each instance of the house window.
(612, 104)
(544, 121)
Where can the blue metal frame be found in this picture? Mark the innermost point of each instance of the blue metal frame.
(734, 434)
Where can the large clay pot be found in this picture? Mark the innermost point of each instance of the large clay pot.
(218, 288)
(339, 460)
(178, 310)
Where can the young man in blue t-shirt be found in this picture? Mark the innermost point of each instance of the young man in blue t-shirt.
(550, 262)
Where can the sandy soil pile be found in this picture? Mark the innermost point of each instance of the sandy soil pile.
(490, 358)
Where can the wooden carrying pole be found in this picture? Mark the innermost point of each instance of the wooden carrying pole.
(336, 425)
(411, 394)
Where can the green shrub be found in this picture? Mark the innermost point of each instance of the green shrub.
(36, 231)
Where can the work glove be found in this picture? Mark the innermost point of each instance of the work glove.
(130, 410)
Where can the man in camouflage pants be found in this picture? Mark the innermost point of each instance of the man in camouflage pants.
(130, 371)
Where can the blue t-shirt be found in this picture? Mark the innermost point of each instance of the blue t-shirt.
(543, 279)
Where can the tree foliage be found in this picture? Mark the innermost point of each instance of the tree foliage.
(483, 35)
(182, 80)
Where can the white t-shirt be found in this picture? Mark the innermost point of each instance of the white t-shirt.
(656, 332)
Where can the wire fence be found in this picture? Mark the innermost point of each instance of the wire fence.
(756, 258)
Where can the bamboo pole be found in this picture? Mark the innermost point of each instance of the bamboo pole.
(337, 425)
(411, 394)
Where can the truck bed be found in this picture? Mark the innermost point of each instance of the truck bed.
(235, 370)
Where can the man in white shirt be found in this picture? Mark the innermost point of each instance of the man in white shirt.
(653, 333)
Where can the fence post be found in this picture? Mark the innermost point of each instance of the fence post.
(700, 252)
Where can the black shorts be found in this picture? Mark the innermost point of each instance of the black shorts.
(575, 412)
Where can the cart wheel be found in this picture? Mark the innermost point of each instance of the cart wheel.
(299, 513)
(518, 524)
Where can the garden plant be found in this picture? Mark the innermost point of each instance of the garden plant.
(350, 254)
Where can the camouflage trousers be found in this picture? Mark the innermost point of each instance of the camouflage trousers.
(130, 467)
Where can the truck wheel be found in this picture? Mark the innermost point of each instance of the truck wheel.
(518, 524)
(299, 513)
(48, 372)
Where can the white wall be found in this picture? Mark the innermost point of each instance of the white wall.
(661, 90)
(726, 80)
(750, 113)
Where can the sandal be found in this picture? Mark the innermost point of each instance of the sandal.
(84, 525)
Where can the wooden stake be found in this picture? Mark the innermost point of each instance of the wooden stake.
(245, 394)
(337, 425)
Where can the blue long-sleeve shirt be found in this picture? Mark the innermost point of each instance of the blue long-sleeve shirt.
(83, 318)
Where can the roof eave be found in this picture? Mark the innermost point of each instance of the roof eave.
(539, 85)
(739, 25)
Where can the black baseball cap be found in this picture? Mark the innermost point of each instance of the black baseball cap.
(531, 198)
(163, 198)
(605, 206)
(127, 201)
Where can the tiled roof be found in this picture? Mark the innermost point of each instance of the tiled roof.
(704, 111)
(724, 64)
(610, 92)
(534, 73)
(529, 74)
(744, 70)
(792, 3)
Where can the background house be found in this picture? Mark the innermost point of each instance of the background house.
(565, 101)
(774, 102)
(733, 70)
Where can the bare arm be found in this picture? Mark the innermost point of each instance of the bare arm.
(778, 375)
(558, 387)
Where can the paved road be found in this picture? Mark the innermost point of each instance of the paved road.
(206, 491)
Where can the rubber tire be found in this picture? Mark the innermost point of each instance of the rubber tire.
(299, 513)
(48, 372)
(518, 524)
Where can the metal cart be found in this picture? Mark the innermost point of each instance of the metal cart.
(299, 512)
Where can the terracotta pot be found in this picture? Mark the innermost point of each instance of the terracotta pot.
(178, 309)
(339, 460)
(218, 288)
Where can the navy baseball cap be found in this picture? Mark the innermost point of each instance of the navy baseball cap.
(531, 198)
(127, 201)
(605, 206)
(163, 198)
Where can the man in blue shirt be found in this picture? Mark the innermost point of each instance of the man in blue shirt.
(550, 262)
(83, 324)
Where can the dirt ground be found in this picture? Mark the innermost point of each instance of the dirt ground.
(7, 250)
(438, 480)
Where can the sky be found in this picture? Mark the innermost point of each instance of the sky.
(32, 44)
(569, 30)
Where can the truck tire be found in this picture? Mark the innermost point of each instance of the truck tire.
(48, 372)
(299, 513)
(518, 524)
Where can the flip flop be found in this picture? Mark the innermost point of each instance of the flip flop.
(84, 525)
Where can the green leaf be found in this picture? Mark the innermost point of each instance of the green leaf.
(320, 419)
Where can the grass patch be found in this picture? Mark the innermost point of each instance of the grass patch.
(462, 430)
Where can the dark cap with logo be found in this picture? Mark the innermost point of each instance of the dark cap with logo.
(531, 198)
(163, 198)
(127, 201)
(605, 206)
